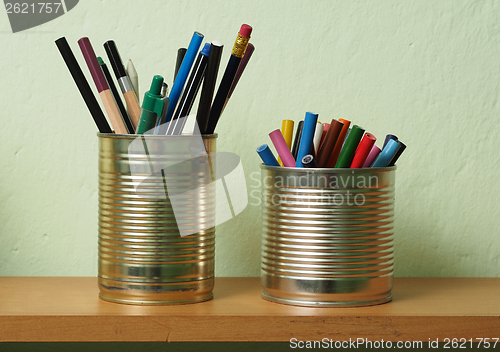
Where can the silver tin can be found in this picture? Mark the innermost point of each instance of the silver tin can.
(143, 259)
(327, 236)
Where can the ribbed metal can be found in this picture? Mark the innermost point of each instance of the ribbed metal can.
(143, 259)
(327, 236)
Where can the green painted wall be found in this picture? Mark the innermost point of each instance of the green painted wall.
(426, 71)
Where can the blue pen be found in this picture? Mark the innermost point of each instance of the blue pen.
(267, 155)
(388, 138)
(387, 154)
(180, 80)
(306, 140)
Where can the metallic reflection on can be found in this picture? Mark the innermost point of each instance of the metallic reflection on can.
(327, 236)
(142, 257)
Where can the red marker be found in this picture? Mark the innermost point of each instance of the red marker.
(364, 148)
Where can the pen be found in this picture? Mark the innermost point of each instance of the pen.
(208, 88)
(123, 81)
(134, 77)
(296, 141)
(180, 80)
(83, 85)
(180, 56)
(186, 102)
(102, 86)
(153, 106)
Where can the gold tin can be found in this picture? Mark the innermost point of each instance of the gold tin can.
(327, 236)
(143, 259)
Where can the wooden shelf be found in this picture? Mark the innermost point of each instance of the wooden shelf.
(68, 309)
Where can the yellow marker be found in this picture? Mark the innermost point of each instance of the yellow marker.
(287, 132)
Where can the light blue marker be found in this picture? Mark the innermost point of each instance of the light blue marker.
(267, 155)
(180, 80)
(387, 154)
(306, 140)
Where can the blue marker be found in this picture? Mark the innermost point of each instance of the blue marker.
(180, 80)
(267, 155)
(387, 154)
(398, 154)
(306, 140)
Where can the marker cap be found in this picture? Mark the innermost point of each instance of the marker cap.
(206, 49)
(152, 98)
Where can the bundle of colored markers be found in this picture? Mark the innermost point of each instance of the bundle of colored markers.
(329, 145)
(161, 112)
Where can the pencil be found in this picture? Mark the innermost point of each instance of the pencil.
(102, 86)
(241, 67)
(123, 112)
(239, 48)
(83, 86)
(123, 81)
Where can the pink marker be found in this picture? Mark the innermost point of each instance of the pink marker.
(282, 148)
(372, 156)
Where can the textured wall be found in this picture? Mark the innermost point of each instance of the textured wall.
(425, 71)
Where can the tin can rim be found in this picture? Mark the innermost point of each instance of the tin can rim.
(133, 136)
(326, 170)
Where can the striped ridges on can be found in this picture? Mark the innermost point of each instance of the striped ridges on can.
(142, 257)
(327, 236)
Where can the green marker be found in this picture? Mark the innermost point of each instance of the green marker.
(152, 106)
(350, 146)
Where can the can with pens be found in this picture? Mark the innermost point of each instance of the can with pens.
(156, 231)
(327, 235)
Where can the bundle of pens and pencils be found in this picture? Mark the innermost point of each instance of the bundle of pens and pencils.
(329, 145)
(161, 112)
